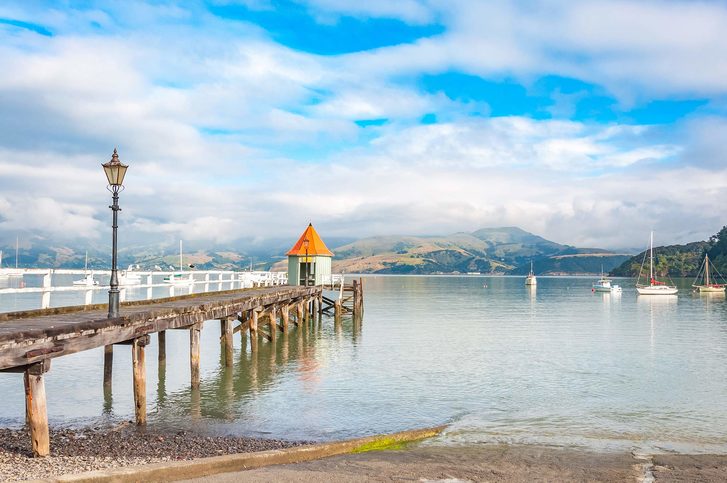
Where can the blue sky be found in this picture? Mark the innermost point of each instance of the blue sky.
(589, 123)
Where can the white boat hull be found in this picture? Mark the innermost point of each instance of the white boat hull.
(179, 280)
(706, 289)
(657, 290)
(609, 289)
(531, 281)
(12, 272)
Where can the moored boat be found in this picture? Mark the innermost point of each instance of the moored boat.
(654, 286)
(12, 272)
(708, 285)
(604, 284)
(87, 279)
(531, 279)
(180, 278)
(129, 277)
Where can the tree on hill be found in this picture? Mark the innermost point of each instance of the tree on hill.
(681, 260)
(718, 251)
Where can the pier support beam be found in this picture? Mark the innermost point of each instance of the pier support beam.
(226, 324)
(139, 367)
(358, 297)
(299, 314)
(253, 330)
(108, 365)
(285, 316)
(194, 332)
(162, 339)
(337, 310)
(35, 407)
(273, 323)
(244, 317)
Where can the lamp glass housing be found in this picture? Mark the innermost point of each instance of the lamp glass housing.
(115, 170)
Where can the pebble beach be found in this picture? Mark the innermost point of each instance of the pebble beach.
(96, 448)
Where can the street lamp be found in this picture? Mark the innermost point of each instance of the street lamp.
(115, 171)
(305, 244)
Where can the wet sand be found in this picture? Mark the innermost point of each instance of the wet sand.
(490, 463)
(482, 463)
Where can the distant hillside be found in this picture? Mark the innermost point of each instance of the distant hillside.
(680, 260)
(504, 250)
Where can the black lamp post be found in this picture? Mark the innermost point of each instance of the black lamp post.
(115, 171)
(305, 244)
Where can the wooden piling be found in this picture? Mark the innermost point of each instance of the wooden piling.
(108, 365)
(273, 324)
(358, 297)
(285, 314)
(36, 409)
(162, 340)
(139, 369)
(244, 317)
(194, 333)
(298, 313)
(226, 324)
(253, 331)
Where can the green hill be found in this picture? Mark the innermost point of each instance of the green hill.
(503, 250)
(680, 260)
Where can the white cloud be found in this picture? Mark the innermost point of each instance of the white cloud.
(231, 135)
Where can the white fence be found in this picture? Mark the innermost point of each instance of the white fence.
(188, 282)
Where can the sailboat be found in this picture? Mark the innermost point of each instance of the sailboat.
(13, 272)
(530, 279)
(129, 276)
(87, 280)
(708, 284)
(654, 287)
(604, 284)
(179, 278)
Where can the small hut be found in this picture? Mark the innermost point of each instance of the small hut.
(309, 259)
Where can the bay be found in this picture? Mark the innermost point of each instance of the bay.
(497, 361)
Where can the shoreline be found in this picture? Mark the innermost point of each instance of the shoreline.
(123, 445)
(126, 449)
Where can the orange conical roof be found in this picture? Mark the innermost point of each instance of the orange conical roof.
(315, 244)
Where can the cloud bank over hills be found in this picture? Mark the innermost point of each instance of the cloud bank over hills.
(589, 123)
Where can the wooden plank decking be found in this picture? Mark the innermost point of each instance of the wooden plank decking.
(33, 336)
(29, 340)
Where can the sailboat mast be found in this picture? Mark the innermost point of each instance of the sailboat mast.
(17, 245)
(181, 267)
(706, 269)
(651, 259)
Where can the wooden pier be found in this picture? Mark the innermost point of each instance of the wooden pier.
(29, 340)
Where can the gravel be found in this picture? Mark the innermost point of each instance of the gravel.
(79, 450)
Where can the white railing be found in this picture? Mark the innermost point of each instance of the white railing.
(333, 280)
(210, 280)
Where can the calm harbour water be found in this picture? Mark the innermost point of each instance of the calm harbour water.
(557, 365)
